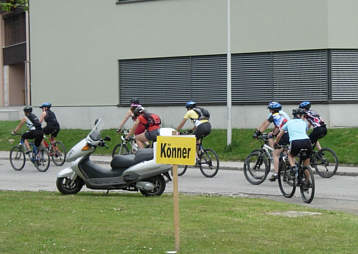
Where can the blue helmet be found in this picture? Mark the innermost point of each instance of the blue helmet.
(46, 105)
(273, 105)
(305, 105)
(190, 104)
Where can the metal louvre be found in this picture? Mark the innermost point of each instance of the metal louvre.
(344, 75)
(252, 78)
(208, 79)
(300, 76)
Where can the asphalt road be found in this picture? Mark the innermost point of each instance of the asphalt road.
(336, 193)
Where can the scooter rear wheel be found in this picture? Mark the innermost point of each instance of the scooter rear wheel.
(68, 186)
(159, 186)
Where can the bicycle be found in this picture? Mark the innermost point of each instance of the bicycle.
(257, 164)
(126, 146)
(303, 178)
(39, 157)
(57, 151)
(325, 162)
(207, 160)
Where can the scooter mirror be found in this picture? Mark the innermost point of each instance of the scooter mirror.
(107, 139)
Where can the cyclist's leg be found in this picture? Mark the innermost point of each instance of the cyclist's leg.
(151, 136)
(317, 133)
(141, 139)
(27, 135)
(38, 136)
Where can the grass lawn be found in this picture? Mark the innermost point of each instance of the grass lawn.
(342, 141)
(91, 222)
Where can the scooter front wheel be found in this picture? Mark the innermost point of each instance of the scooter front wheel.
(67, 186)
(159, 186)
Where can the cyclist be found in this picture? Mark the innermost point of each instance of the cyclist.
(134, 103)
(315, 121)
(297, 130)
(150, 121)
(52, 126)
(202, 126)
(34, 126)
(278, 118)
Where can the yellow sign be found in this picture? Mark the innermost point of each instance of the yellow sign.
(177, 150)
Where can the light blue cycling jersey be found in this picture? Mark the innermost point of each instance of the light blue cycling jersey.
(297, 129)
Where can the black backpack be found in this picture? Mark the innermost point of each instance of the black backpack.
(203, 113)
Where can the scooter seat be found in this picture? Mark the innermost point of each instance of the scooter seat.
(145, 154)
(123, 161)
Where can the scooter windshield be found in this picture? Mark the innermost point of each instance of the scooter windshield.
(95, 133)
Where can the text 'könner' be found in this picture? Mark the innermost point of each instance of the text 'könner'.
(174, 152)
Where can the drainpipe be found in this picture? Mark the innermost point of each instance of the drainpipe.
(27, 62)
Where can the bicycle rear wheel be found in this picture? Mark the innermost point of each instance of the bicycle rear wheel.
(17, 158)
(120, 149)
(256, 167)
(286, 182)
(42, 161)
(307, 185)
(209, 163)
(182, 169)
(325, 162)
(58, 153)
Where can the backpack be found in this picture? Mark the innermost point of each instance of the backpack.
(203, 113)
(152, 119)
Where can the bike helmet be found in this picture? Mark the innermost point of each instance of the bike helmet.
(27, 109)
(273, 105)
(46, 105)
(305, 105)
(134, 100)
(298, 112)
(138, 110)
(190, 104)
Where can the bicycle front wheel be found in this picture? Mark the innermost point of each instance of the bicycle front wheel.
(120, 149)
(286, 182)
(17, 158)
(182, 169)
(42, 161)
(209, 163)
(307, 186)
(325, 162)
(58, 153)
(256, 167)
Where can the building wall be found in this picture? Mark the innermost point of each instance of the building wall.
(2, 95)
(16, 84)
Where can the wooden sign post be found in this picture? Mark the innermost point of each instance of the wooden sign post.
(176, 150)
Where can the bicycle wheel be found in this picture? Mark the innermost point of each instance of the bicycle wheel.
(42, 161)
(182, 169)
(58, 153)
(286, 182)
(17, 158)
(121, 149)
(307, 185)
(256, 167)
(209, 163)
(325, 162)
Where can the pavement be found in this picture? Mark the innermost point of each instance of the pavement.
(344, 170)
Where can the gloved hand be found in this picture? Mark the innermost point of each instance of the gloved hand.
(257, 134)
(13, 132)
(119, 130)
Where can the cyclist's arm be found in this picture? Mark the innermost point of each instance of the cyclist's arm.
(181, 124)
(42, 116)
(127, 116)
(134, 127)
(21, 123)
(264, 126)
(280, 134)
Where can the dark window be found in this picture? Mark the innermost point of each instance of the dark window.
(15, 29)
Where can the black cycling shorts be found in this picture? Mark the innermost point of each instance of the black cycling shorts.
(37, 135)
(202, 130)
(297, 145)
(317, 133)
(51, 130)
(285, 139)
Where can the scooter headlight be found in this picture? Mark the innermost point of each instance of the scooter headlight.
(86, 147)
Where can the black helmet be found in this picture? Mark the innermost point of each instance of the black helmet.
(27, 109)
(138, 110)
(190, 104)
(134, 100)
(298, 112)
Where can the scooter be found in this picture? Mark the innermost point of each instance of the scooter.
(130, 172)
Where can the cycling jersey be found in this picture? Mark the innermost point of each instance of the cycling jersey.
(297, 129)
(194, 117)
(50, 119)
(32, 122)
(278, 119)
(314, 119)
